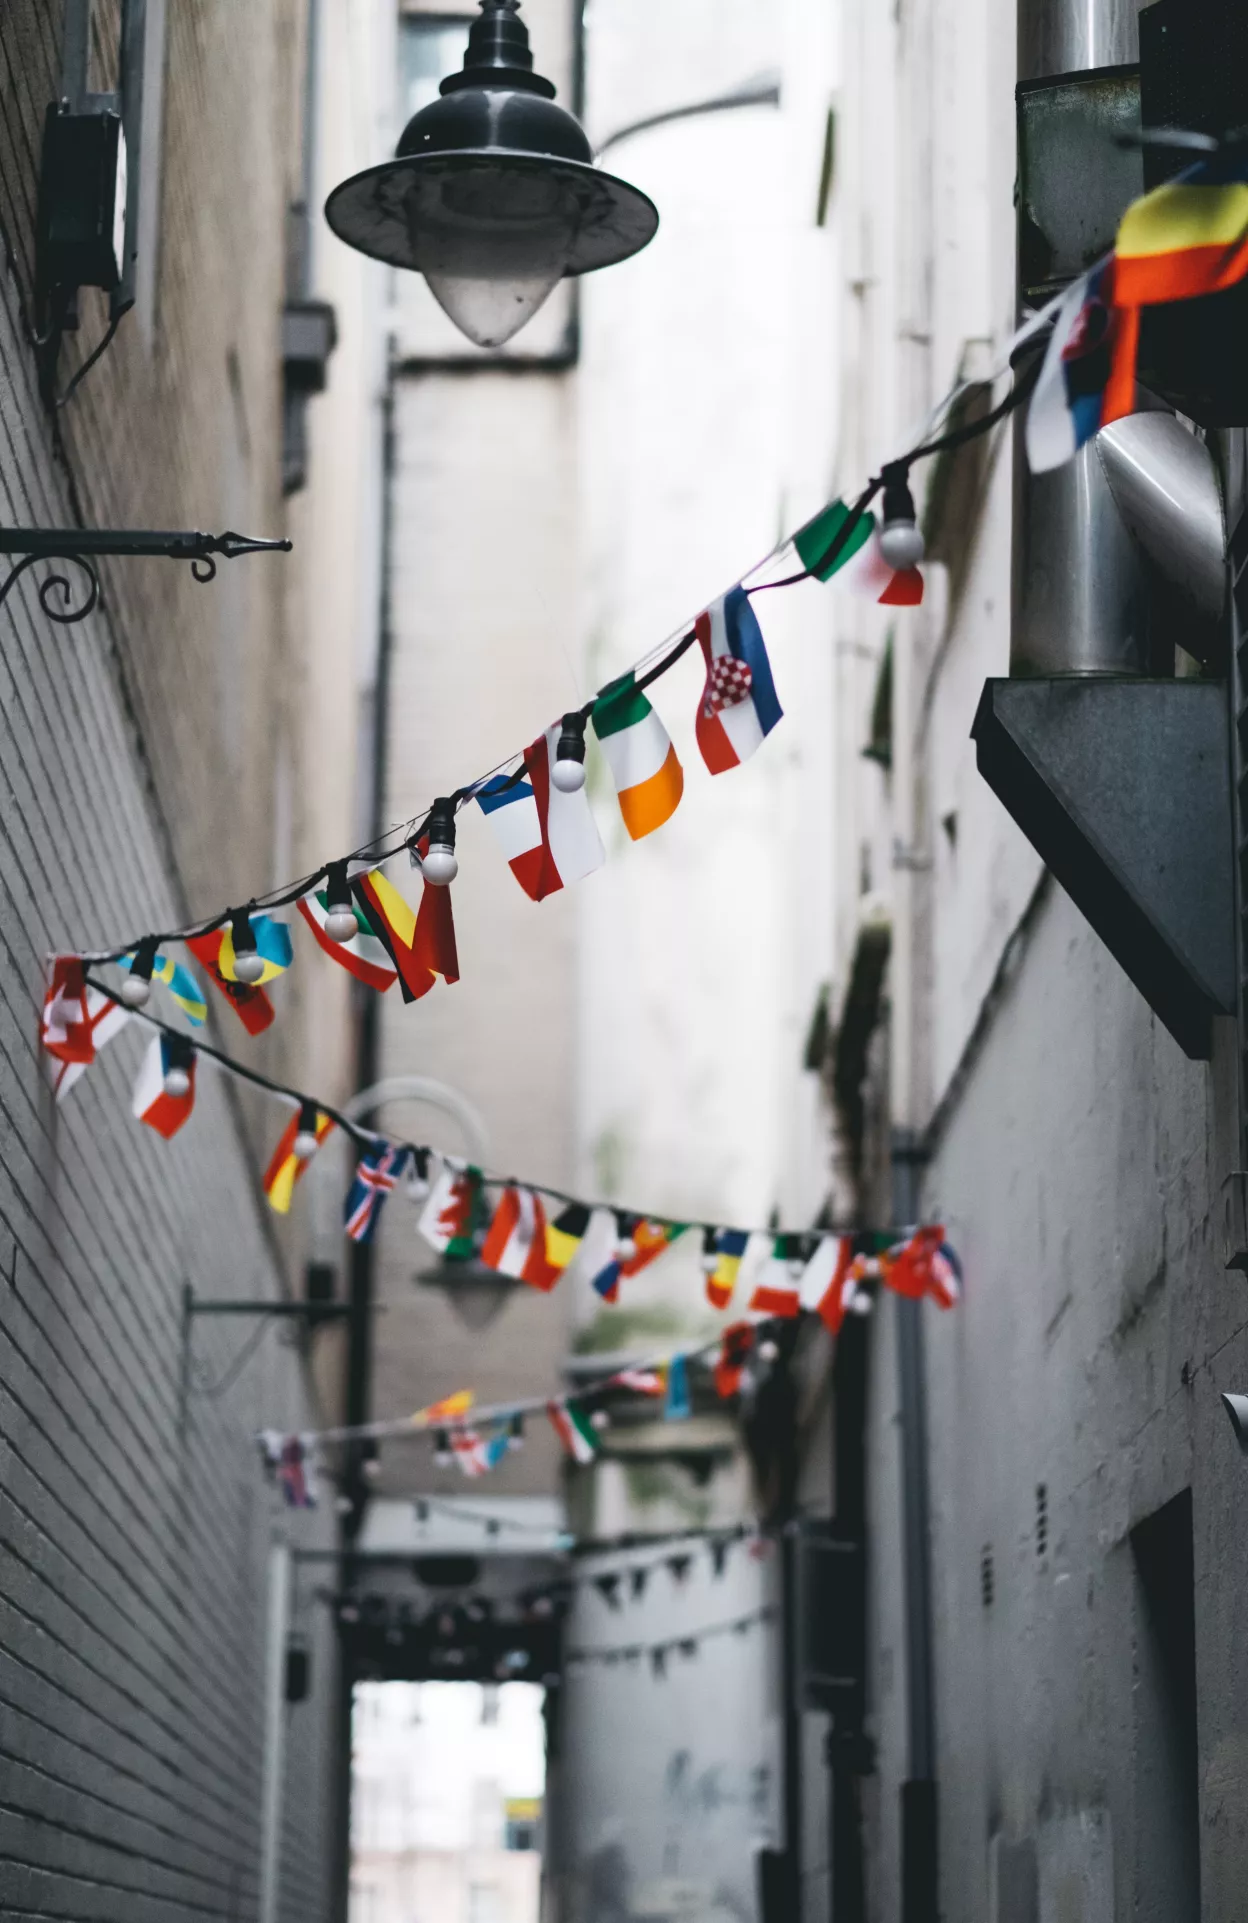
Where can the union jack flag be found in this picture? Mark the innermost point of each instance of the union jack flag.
(377, 1174)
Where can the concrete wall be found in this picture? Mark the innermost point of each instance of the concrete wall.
(1077, 1157)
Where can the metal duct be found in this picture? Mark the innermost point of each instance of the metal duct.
(1165, 485)
(1079, 592)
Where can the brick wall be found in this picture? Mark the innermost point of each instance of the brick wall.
(140, 754)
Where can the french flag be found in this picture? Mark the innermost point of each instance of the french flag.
(738, 709)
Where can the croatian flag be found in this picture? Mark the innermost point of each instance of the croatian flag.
(738, 709)
(550, 839)
(377, 1175)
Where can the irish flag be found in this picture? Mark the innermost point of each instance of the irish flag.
(151, 1103)
(649, 780)
(363, 956)
(739, 708)
(574, 1430)
(285, 1168)
(550, 839)
(421, 945)
(515, 1243)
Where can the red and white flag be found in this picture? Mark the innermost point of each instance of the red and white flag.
(515, 1243)
(105, 1018)
(152, 1103)
(65, 1025)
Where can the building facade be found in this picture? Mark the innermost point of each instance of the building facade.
(161, 757)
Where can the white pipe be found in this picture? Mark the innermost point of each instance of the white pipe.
(274, 1732)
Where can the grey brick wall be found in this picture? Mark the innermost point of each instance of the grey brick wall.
(137, 760)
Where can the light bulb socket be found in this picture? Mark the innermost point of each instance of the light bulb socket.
(340, 921)
(248, 961)
(710, 1251)
(901, 541)
(178, 1060)
(443, 1454)
(568, 772)
(306, 1142)
(439, 864)
(515, 1433)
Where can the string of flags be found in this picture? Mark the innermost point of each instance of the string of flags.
(535, 802)
(660, 1653)
(526, 1232)
(918, 1265)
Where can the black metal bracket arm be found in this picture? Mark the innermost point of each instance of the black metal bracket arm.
(309, 1311)
(84, 546)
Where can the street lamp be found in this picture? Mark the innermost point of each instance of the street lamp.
(493, 195)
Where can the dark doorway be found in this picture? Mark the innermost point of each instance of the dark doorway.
(1167, 1784)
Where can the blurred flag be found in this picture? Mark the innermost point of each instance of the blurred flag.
(574, 1430)
(286, 1167)
(778, 1290)
(1187, 238)
(250, 1003)
(515, 1242)
(549, 838)
(565, 1234)
(678, 1405)
(421, 944)
(1088, 374)
(859, 559)
(363, 956)
(476, 1454)
(151, 1102)
(64, 1025)
(449, 1218)
(105, 1018)
(181, 984)
(723, 1250)
(377, 1174)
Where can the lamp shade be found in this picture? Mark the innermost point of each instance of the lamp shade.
(493, 195)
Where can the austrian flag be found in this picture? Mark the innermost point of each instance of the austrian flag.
(515, 1243)
(738, 709)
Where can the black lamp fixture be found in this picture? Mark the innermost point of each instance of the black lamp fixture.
(493, 195)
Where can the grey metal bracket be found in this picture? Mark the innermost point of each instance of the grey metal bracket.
(1123, 787)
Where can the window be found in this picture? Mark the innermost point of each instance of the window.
(430, 47)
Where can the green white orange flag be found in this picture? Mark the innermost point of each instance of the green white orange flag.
(420, 944)
(649, 780)
(574, 1430)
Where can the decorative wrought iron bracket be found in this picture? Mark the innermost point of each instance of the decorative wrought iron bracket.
(82, 547)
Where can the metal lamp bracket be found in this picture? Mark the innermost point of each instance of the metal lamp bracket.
(84, 546)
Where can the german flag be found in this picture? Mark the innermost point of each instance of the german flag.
(421, 945)
(286, 1168)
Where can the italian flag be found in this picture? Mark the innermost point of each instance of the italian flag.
(515, 1243)
(648, 778)
(859, 560)
(285, 1168)
(574, 1430)
(363, 956)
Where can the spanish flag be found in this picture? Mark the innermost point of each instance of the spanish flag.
(1187, 238)
(422, 944)
(286, 1168)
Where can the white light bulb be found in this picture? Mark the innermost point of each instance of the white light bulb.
(600, 1419)
(902, 544)
(305, 1145)
(860, 1302)
(439, 866)
(625, 1249)
(767, 1351)
(340, 922)
(177, 1083)
(136, 992)
(710, 1263)
(249, 966)
(568, 776)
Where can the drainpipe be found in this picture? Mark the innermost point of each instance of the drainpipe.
(1080, 599)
